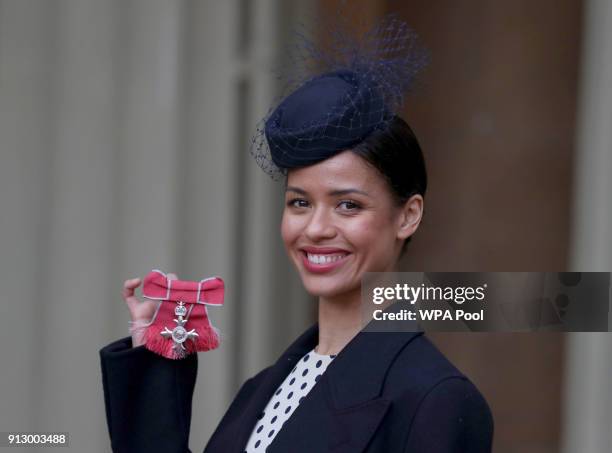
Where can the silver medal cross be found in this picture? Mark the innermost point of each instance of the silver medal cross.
(179, 334)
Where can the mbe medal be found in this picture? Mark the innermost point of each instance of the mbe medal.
(179, 334)
(185, 302)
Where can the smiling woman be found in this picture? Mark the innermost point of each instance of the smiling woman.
(342, 219)
(354, 186)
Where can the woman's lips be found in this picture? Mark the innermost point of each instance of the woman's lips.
(320, 268)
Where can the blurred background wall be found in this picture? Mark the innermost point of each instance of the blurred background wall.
(124, 128)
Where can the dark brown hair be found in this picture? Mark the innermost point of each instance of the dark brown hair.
(396, 154)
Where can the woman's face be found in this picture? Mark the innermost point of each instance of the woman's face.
(340, 221)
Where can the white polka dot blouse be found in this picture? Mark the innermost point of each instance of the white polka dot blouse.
(285, 400)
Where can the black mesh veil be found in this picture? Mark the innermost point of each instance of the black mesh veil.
(337, 94)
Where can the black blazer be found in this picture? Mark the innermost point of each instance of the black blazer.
(384, 392)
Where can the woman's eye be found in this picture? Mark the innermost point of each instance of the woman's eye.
(349, 205)
(297, 203)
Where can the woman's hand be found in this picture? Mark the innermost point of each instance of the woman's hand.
(141, 311)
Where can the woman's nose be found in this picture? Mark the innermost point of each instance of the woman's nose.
(320, 226)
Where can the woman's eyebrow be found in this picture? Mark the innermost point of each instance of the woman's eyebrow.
(346, 192)
(295, 189)
(331, 193)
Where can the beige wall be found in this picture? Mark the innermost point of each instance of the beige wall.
(123, 142)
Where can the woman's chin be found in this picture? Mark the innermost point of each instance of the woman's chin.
(326, 284)
(318, 287)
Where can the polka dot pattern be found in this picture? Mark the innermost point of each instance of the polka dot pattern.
(286, 399)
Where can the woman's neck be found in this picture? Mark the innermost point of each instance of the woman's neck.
(339, 322)
(340, 318)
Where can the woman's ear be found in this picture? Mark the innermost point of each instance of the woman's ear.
(410, 216)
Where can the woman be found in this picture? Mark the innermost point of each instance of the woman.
(354, 186)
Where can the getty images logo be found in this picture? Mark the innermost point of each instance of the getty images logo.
(413, 294)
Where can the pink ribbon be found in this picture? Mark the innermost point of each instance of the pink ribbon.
(158, 286)
(195, 296)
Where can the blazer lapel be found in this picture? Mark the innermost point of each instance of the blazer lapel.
(344, 409)
(270, 382)
(355, 385)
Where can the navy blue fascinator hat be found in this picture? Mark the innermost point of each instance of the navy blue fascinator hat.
(359, 89)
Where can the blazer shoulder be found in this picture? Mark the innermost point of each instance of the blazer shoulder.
(423, 363)
(438, 400)
(455, 415)
(418, 368)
